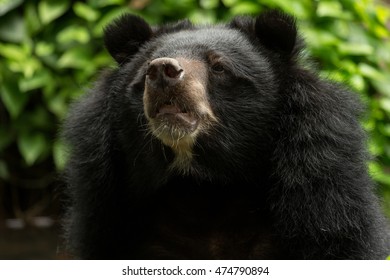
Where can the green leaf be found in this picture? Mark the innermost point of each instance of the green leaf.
(105, 3)
(31, 146)
(13, 99)
(86, 12)
(355, 49)
(79, 58)
(246, 8)
(357, 82)
(49, 10)
(303, 9)
(327, 8)
(8, 5)
(385, 129)
(44, 48)
(57, 104)
(30, 66)
(319, 38)
(361, 9)
(383, 14)
(374, 148)
(209, 4)
(332, 9)
(381, 31)
(36, 81)
(230, 3)
(348, 66)
(73, 33)
(103, 59)
(370, 72)
(202, 17)
(59, 154)
(376, 171)
(13, 52)
(33, 24)
(385, 104)
(383, 86)
(12, 28)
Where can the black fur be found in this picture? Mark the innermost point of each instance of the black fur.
(125, 36)
(282, 174)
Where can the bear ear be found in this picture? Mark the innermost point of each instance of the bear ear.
(277, 30)
(125, 36)
(274, 29)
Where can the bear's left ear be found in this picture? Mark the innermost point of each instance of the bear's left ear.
(274, 29)
(125, 36)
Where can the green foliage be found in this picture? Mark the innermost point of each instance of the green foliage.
(50, 50)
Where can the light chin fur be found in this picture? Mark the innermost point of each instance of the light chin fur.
(181, 143)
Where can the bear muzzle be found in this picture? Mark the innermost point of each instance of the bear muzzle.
(175, 99)
(167, 90)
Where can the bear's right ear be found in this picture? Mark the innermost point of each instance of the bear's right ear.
(125, 36)
(274, 29)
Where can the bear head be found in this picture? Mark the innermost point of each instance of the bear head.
(206, 89)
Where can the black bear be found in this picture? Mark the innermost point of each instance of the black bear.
(218, 142)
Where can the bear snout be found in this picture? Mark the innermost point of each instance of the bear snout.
(175, 101)
(164, 72)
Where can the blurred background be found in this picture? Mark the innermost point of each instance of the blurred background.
(51, 51)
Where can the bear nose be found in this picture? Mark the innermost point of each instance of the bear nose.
(166, 70)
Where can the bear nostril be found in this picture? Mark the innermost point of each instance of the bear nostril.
(172, 71)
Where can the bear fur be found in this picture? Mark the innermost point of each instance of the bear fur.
(216, 142)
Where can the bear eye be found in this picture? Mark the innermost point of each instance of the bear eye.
(218, 68)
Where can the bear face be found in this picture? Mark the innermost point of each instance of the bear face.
(200, 81)
(216, 142)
